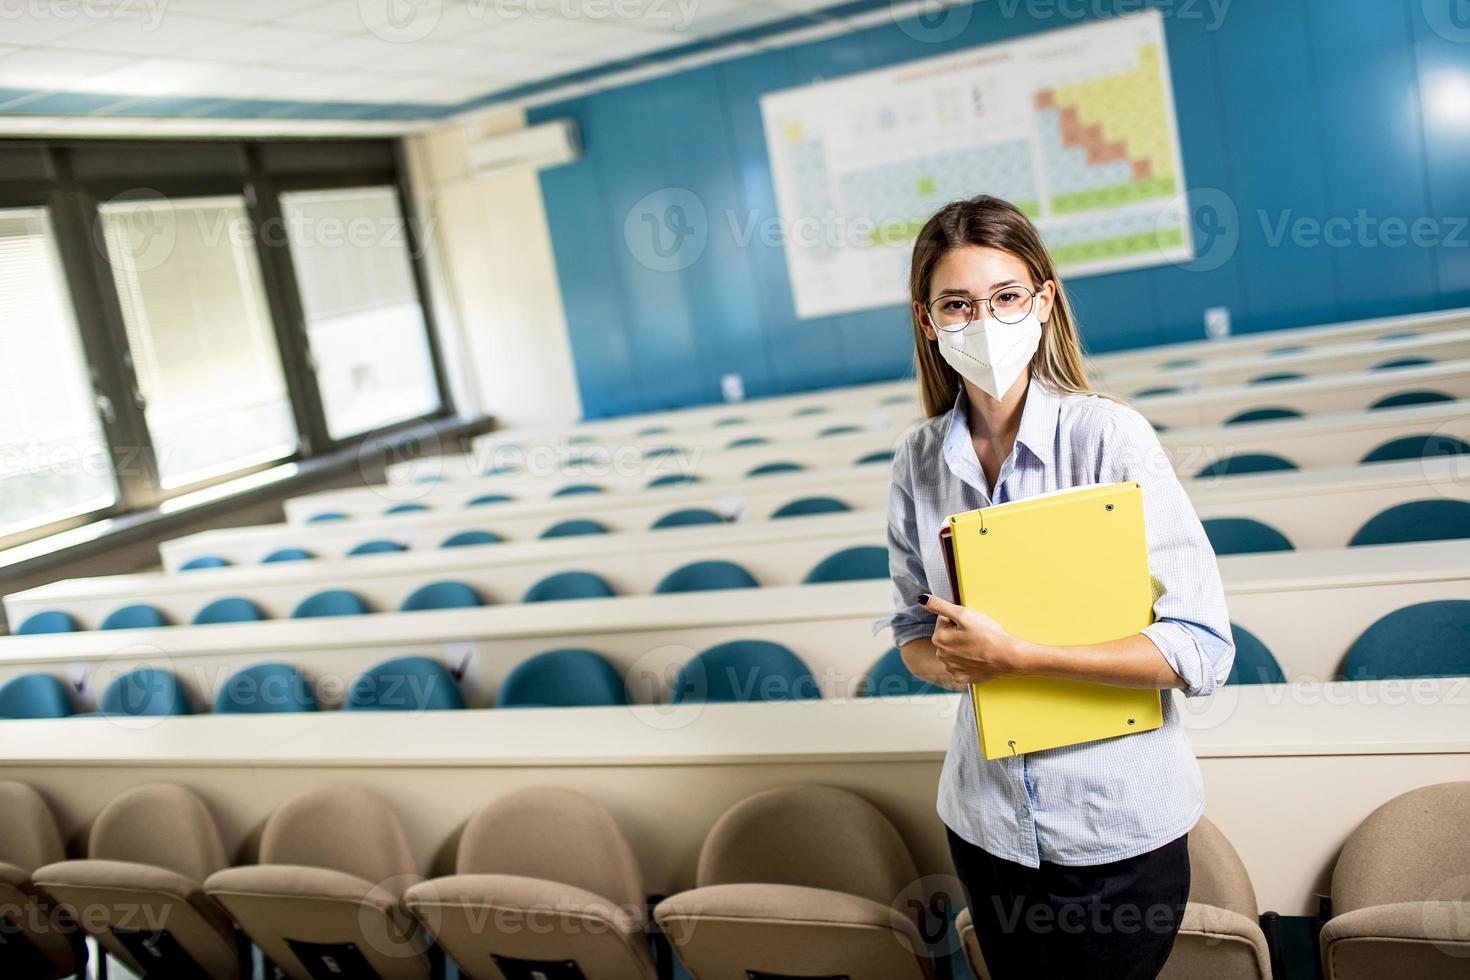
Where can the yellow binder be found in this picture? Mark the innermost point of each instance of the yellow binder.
(1064, 568)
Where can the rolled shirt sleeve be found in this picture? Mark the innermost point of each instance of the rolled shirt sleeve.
(905, 561)
(1191, 623)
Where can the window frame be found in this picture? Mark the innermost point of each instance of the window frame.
(176, 168)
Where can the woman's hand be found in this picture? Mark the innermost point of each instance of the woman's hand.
(971, 646)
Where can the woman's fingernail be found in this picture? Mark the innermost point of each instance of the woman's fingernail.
(924, 598)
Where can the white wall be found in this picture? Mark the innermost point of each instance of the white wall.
(498, 300)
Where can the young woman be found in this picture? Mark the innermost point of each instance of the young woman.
(1074, 859)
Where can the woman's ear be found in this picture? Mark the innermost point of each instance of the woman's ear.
(1045, 297)
(921, 316)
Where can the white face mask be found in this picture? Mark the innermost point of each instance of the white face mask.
(990, 354)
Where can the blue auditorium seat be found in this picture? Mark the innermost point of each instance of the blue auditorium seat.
(673, 480)
(1267, 379)
(378, 546)
(766, 469)
(1417, 447)
(1263, 415)
(499, 471)
(429, 478)
(265, 689)
(1254, 664)
(891, 677)
(838, 430)
(705, 576)
(748, 441)
(203, 561)
(1427, 639)
(442, 595)
(489, 498)
(881, 456)
(1243, 536)
(144, 692)
(50, 621)
(326, 517)
(34, 696)
(1246, 463)
(1154, 392)
(405, 509)
(569, 585)
(139, 616)
(1281, 351)
(572, 528)
(744, 670)
(575, 489)
(468, 538)
(405, 684)
(660, 451)
(1402, 362)
(731, 420)
(807, 506)
(1179, 364)
(332, 602)
(850, 565)
(231, 609)
(688, 518)
(1437, 519)
(563, 679)
(652, 430)
(1404, 398)
(288, 554)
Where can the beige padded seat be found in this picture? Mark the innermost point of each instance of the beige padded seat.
(36, 939)
(325, 899)
(545, 880)
(1220, 937)
(139, 890)
(1401, 891)
(799, 881)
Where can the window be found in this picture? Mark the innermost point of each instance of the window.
(54, 462)
(199, 329)
(365, 327)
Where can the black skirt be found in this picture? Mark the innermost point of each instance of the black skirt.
(1114, 921)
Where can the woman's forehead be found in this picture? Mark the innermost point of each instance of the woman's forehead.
(977, 268)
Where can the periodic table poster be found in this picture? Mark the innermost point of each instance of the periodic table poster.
(1075, 126)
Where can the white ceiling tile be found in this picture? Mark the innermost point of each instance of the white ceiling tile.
(244, 11)
(153, 76)
(258, 44)
(140, 35)
(445, 91)
(40, 25)
(44, 68)
(257, 83)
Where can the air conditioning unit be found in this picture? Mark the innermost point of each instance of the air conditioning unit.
(538, 147)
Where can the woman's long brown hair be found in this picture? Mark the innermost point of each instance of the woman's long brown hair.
(992, 223)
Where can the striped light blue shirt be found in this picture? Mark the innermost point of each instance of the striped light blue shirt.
(1100, 801)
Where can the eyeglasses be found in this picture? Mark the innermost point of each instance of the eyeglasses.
(1008, 304)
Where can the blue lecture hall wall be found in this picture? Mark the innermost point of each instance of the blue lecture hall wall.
(1287, 109)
